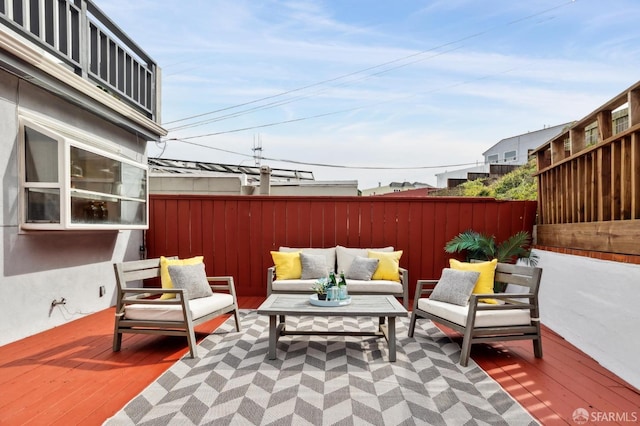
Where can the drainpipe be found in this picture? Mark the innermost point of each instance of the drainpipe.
(265, 180)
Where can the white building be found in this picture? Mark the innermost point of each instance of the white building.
(513, 151)
(78, 102)
(394, 187)
(201, 178)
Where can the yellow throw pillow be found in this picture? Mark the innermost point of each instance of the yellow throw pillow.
(288, 265)
(388, 265)
(165, 278)
(487, 270)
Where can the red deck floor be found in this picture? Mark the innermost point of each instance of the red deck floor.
(69, 375)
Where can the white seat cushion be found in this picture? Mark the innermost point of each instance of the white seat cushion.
(458, 314)
(374, 286)
(199, 308)
(353, 286)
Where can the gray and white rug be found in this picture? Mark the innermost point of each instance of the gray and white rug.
(324, 380)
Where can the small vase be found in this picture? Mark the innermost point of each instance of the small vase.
(322, 297)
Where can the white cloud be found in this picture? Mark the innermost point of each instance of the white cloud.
(500, 69)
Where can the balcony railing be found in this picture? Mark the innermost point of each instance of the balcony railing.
(79, 34)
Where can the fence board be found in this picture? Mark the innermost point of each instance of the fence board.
(236, 233)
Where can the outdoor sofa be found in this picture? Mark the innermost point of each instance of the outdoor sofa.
(295, 270)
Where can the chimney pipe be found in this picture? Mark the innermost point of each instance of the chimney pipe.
(265, 180)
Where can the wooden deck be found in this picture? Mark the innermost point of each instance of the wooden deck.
(69, 375)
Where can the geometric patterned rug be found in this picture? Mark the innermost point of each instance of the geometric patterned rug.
(323, 380)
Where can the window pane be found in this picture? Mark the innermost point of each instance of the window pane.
(107, 211)
(41, 157)
(93, 172)
(133, 213)
(43, 205)
(134, 182)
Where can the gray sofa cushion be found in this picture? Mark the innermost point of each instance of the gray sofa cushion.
(192, 278)
(313, 266)
(362, 268)
(455, 286)
(328, 253)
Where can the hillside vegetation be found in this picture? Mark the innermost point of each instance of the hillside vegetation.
(517, 185)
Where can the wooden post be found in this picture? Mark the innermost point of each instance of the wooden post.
(576, 136)
(605, 125)
(634, 107)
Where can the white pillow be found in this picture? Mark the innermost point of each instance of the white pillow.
(346, 255)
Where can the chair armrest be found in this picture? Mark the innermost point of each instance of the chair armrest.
(142, 296)
(424, 288)
(404, 280)
(271, 274)
(404, 276)
(509, 304)
(142, 292)
(228, 286)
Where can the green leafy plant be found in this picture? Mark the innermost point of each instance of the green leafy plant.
(320, 286)
(484, 247)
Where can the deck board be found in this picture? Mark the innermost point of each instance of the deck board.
(69, 375)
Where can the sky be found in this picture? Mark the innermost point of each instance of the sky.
(371, 90)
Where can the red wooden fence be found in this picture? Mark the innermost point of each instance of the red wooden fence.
(236, 233)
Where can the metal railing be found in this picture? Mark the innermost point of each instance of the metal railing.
(80, 35)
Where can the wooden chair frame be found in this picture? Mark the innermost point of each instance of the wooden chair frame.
(526, 276)
(139, 270)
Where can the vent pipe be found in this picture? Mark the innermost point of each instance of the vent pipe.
(265, 180)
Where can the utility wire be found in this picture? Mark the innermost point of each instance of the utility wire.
(460, 40)
(335, 166)
(297, 98)
(327, 114)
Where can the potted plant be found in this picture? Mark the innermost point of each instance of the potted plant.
(320, 288)
(484, 247)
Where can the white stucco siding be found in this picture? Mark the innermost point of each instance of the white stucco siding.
(593, 304)
(40, 266)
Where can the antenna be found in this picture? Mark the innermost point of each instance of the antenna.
(257, 149)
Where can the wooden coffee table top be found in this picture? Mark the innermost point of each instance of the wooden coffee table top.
(361, 305)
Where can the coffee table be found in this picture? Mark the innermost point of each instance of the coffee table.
(386, 308)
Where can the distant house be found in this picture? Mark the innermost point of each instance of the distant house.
(395, 187)
(511, 152)
(201, 178)
(79, 101)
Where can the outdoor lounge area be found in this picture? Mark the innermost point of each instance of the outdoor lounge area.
(70, 375)
(81, 101)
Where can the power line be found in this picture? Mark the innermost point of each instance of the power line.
(327, 114)
(335, 166)
(468, 37)
(297, 98)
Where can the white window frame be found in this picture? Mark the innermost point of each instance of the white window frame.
(514, 158)
(491, 160)
(68, 137)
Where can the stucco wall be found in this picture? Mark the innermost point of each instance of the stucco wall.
(190, 184)
(594, 304)
(38, 267)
